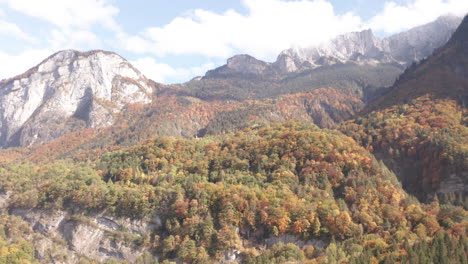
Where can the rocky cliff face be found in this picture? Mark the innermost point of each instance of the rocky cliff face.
(355, 46)
(363, 47)
(420, 42)
(69, 90)
(63, 237)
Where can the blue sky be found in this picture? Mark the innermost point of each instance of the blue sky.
(173, 41)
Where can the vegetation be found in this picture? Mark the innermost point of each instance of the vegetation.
(427, 139)
(365, 81)
(14, 249)
(256, 191)
(230, 194)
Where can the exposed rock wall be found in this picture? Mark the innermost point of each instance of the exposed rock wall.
(68, 91)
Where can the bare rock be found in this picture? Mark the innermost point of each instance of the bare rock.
(68, 91)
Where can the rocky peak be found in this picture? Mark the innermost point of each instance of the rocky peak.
(363, 47)
(247, 64)
(70, 90)
(420, 42)
(242, 64)
(354, 46)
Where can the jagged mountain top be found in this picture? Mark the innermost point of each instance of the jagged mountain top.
(363, 47)
(340, 49)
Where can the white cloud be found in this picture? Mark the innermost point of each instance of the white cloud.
(11, 29)
(69, 13)
(265, 29)
(73, 39)
(161, 72)
(13, 65)
(268, 27)
(133, 44)
(72, 23)
(395, 18)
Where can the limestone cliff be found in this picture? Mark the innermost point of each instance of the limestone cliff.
(69, 90)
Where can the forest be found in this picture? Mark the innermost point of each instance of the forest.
(230, 193)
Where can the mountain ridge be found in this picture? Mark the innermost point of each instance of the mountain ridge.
(363, 47)
(242, 78)
(449, 75)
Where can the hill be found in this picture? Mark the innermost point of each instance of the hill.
(420, 126)
(289, 192)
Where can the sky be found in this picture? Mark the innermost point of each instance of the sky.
(172, 41)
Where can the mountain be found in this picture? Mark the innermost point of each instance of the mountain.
(68, 91)
(354, 47)
(356, 63)
(419, 127)
(244, 65)
(420, 42)
(245, 92)
(363, 47)
(71, 91)
(260, 80)
(443, 75)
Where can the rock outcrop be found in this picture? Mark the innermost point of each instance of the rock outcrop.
(68, 91)
(96, 237)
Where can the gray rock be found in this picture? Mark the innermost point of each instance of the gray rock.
(94, 237)
(68, 91)
(363, 47)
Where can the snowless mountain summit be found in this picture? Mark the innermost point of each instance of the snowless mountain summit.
(363, 47)
(68, 91)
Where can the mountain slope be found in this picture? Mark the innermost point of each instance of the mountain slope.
(191, 117)
(68, 91)
(420, 126)
(443, 75)
(236, 198)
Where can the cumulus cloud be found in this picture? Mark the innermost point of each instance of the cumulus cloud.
(72, 24)
(17, 64)
(395, 18)
(265, 29)
(10, 29)
(268, 27)
(73, 39)
(69, 13)
(163, 73)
